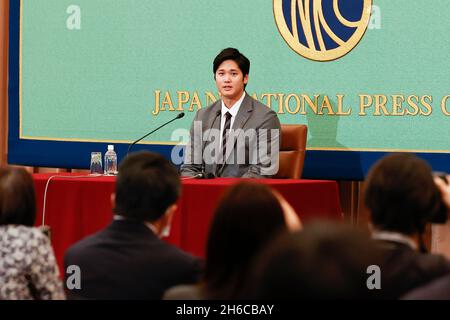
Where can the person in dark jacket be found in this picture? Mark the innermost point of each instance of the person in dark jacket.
(403, 197)
(128, 259)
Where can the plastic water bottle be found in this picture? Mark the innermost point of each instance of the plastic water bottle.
(110, 161)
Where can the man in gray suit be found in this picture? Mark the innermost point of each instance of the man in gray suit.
(236, 136)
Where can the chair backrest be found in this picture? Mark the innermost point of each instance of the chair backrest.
(292, 151)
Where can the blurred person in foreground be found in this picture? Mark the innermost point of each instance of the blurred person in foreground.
(28, 268)
(323, 261)
(128, 259)
(438, 289)
(247, 219)
(402, 197)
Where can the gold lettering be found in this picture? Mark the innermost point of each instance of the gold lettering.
(427, 105)
(183, 97)
(312, 106)
(210, 98)
(167, 101)
(363, 105)
(255, 96)
(157, 97)
(280, 97)
(397, 105)
(287, 101)
(340, 111)
(195, 102)
(326, 105)
(412, 104)
(380, 105)
(269, 98)
(444, 105)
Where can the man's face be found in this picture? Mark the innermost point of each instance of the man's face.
(230, 80)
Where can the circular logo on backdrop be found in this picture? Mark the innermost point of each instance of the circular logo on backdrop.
(322, 30)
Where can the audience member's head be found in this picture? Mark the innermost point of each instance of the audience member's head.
(402, 196)
(17, 197)
(28, 268)
(147, 186)
(248, 216)
(323, 261)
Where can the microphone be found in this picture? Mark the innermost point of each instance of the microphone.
(179, 116)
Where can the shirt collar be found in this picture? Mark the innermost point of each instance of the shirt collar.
(234, 108)
(118, 217)
(394, 237)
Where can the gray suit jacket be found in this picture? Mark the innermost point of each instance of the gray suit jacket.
(252, 146)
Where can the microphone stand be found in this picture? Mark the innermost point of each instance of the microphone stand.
(179, 116)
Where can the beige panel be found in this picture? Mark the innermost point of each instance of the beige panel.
(349, 192)
(441, 239)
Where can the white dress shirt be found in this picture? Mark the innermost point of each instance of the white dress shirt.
(394, 237)
(233, 111)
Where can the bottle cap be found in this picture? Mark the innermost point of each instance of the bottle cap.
(110, 147)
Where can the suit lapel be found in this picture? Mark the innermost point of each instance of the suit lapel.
(244, 113)
(215, 108)
(215, 125)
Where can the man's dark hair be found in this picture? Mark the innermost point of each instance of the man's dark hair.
(236, 56)
(146, 186)
(324, 261)
(401, 194)
(17, 197)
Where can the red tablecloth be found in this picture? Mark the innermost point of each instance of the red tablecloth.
(79, 206)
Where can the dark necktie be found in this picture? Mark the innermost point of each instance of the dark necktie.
(225, 133)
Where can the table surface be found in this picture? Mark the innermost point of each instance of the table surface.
(79, 205)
